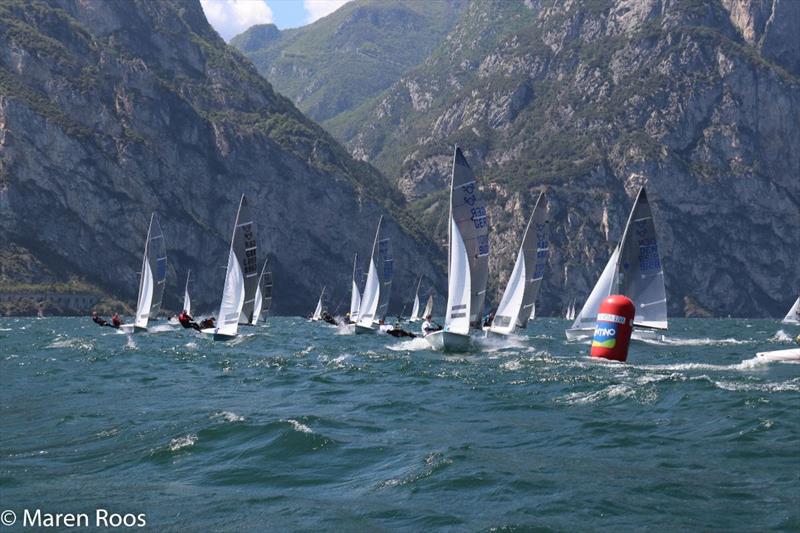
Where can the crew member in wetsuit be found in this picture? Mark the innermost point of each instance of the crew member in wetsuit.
(207, 323)
(487, 322)
(116, 320)
(97, 319)
(429, 326)
(187, 321)
(326, 316)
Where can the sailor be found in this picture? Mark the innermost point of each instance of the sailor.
(487, 322)
(116, 320)
(207, 323)
(397, 332)
(187, 321)
(98, 320)
(429, 326)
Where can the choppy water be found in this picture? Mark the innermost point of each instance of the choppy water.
(297, 426)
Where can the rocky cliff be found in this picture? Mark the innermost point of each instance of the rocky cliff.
(698, 99)
(112, 109)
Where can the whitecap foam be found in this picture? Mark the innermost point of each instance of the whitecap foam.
(297, 426)
(781, 336)
(160, 328)
(66, 342)
(612, 391)
(228, 416)
(182, 442)
(411, 345)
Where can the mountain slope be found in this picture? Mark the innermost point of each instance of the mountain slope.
(332, 65)
(109, 110)
(592, 98)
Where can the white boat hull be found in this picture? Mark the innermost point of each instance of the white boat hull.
(578, 334)
(447, 341)
(130, 328)
(212, 332)
(792, 354)
(360, 330)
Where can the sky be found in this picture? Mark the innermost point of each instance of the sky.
(232, 17)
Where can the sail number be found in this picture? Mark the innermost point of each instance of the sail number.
(648, 255)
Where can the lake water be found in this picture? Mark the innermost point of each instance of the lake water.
(297, 425)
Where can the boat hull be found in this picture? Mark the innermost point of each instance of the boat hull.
(212, 332)
(577, 334)
(792, 354)
(364, 330)
(447, 341)
(130, 328)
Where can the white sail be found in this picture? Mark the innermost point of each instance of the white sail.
(266, 291)
(517, 304)
(428, 307)
(233, 294)
(415, 308)
(187, 301)
(246, 228)
(468, 265)
(153, 275)
(641, 276)
(572, 310)
(587, 318)
(318, 311)
(793, 316)
(505, 319)
(370, 298)
(355, 295)
(458, 285)
(258, 301)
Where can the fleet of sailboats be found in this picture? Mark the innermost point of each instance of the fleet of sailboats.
(634, 269)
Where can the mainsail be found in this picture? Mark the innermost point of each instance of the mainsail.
(233, 294)
(641, 277)
(355, 294)
(468, 264)
(517, 304)
(385, 273)
(371, 296)
(266, 291)
(428, 307)
(793, 316)
(153, 275)
(187, 301)
(415, 308)
(258, 301)
(246, 226)
(318, 311)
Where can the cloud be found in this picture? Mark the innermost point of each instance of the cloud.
(232, 17)
(317, 9)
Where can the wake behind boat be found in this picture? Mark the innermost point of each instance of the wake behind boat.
(152, 279)
(633, 270)
(468, 265)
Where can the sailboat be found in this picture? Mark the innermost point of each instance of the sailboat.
(634, 270)
(318, 310)
(415, 308)
(793, 316)
(468, 261)
(240, 267)
(517, 304)
(570, 314)
(152, 279)
(187, 300)
(377, 290)
(355, 294)
(428, 307)
(263, 297)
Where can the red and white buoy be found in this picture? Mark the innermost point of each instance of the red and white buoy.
(612, 334)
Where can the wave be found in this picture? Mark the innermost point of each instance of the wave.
(228, 416)
(66, 342)
(411, 345)
(185, 441)
(298, 426)
(781, 336)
